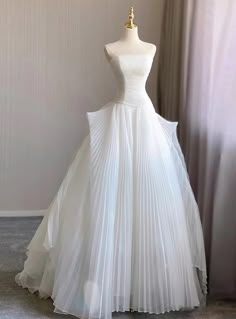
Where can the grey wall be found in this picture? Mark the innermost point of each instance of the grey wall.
(52, 71)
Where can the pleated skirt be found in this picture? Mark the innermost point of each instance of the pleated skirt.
(123, 231)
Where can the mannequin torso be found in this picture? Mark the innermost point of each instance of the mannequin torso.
(129, 44)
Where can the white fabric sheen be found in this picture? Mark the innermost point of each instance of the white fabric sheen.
(123, 232)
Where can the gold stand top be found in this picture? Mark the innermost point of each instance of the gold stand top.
(130, 24)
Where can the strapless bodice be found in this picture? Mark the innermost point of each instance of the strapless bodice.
(131, 72)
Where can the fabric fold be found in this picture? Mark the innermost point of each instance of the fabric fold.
(123, 232)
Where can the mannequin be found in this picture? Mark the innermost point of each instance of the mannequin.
(129, 42)
(123, 231)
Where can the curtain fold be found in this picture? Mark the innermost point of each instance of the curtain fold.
(197, 87)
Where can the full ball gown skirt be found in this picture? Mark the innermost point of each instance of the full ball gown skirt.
(123, 232)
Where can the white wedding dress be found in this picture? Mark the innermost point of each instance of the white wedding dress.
(123, 232)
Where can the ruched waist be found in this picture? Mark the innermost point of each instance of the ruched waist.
(135, 95)
(136, 102)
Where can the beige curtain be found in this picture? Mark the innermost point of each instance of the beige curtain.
(197, 87)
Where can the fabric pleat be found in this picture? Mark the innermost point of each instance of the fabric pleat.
(123, 231)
